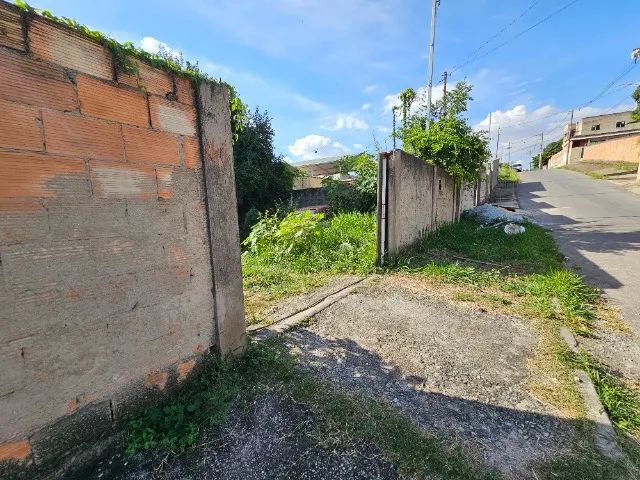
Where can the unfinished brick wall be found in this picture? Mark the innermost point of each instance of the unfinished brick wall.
(110, 285)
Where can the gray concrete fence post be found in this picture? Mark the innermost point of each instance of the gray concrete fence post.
(214, 119)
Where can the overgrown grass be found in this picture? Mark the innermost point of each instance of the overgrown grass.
(621, 403)
(528, 266)
(342, 420)
(508, 174)
(525, 274)
(291, 255)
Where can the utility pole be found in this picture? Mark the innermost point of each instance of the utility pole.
(432, 44)
(509, 149)
(393, 110)
(445, 75)
(570, 134)
(498, 142)
(489, 126)
(541, 147)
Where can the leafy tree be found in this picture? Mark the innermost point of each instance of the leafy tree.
(407, 97)
(263, 179)
(359, 195)
(635, 115)
(448, 141)
(547, 152)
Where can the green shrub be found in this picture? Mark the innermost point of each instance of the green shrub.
(307, 242)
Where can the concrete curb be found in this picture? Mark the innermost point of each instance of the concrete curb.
(605, 434)
(286, 323)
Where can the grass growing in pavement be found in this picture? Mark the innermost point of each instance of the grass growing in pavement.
(302, 251)
(524, 274)
(341, 419)
(622, 403)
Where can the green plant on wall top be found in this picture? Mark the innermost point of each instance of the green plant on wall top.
(448, 141)
(169, 62)
(635, 115)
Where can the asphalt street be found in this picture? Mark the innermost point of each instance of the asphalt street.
(597, 226)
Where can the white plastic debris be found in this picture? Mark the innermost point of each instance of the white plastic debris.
(487, 214)
(513, 229)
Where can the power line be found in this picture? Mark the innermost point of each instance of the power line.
(500, 32)
(565, 112)
(608, 87)
(540, 22)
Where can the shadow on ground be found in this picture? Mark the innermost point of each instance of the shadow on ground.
(459, 373)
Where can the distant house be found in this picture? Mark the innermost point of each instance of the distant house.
(307, 189)
(610, 137)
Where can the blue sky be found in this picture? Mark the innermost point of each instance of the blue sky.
(328, 71)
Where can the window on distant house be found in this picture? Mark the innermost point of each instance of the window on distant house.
(621, 124)
(595, 127)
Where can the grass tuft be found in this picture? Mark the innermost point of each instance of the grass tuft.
(621, 403)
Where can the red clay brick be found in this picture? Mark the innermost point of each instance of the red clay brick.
(68, 48)
(74, 135)
(184, 368)
(27, 175)
(103, 100)
(20, 126)
(24, 80)
(172, 116)
(153, 80)
(157, 380)
(191, 152)
(164, 177)
(184, 90)
(150, 147)
(122, 180)
(11, 27)
(15, 451)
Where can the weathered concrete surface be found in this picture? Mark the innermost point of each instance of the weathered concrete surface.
(454, 370)
(217, 152)
(420, 197)
(107, 293)
(597, 226)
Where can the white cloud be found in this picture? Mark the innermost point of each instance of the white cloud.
(370, 88)
(153, 45)
(520, 128)
(383, 129)
(365, 107)
(317, 146)
(358, 146)
(393, 100)
(349, 122)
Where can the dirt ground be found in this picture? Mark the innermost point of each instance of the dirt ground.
(455, 370)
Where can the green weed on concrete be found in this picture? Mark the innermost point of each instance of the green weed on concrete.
(341, 419)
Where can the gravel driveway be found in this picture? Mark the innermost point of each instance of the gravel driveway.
(453, 369)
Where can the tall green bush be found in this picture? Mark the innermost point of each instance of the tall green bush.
(448, 141)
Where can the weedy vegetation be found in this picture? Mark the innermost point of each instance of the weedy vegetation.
(525, 275)
(292, 253)
(508, 174)
(341, 419)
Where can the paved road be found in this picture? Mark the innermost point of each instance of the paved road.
(597, 225)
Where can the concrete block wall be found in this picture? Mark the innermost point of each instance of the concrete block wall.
(419, 198)
(415, 197)
(119, 252)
